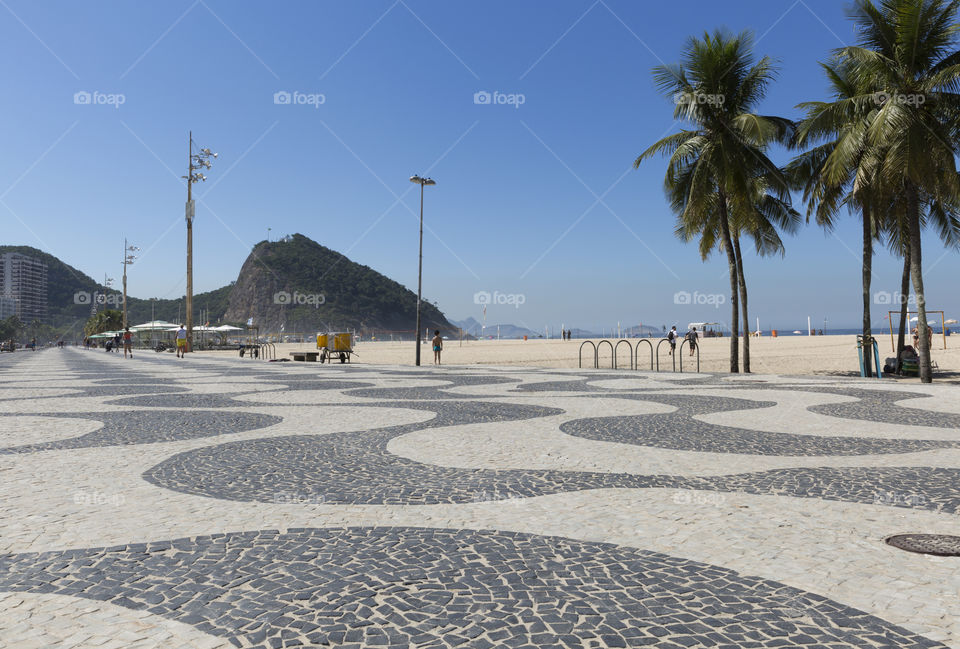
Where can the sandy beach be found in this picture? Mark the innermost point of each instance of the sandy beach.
(814, 355)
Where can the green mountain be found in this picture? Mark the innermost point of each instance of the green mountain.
(295, 283)
(71, 293)
(302, 286)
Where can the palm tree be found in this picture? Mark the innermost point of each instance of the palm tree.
(841, 171)
(907, 55)
(714, 167)
(934, 215)
(759, 218)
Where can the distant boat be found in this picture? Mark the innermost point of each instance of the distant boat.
(798, 332)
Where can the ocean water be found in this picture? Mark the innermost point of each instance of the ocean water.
(877, 331)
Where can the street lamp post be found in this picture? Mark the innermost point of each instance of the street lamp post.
(422, 182)
(107, 282)
(195, 162)
(128, 258)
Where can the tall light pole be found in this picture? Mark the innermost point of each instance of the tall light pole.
(107, 281)
(422, 182)
(128, 258)
(195, 162)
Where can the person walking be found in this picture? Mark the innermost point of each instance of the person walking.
(692, 338)
(437, 347)
(127, 342)
(181, 342)
(672, 339)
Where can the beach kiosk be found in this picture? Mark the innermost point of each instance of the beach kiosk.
(335, 345)
(707, 329)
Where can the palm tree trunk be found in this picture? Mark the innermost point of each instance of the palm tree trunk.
(904, 294)
(742, 281)
(916, 272)
(867, 272)
(732, 263)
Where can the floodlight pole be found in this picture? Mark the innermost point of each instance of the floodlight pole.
(125, 253)
(422, 182)
(203, 162)
(189, 216)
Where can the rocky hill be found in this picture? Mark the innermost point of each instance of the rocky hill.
(298, 285)
(295, 283)
(70, 293)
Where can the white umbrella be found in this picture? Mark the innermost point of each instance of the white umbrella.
(227, 328)
(153, 325)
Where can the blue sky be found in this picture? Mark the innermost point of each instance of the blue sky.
(537, 199)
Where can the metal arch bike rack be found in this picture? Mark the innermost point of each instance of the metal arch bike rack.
(596, 362)
(673, 356)
(636, 353)
(629, 349)
(268, 351)
(697, 348)
(613, 356)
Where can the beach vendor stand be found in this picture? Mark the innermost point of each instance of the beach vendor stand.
(335, 345)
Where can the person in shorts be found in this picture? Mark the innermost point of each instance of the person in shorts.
(181, 342)
(127, 342)
(672, 338)
(437, 347)
(692, 338)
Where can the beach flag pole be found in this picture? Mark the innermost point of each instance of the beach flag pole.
(809, 330)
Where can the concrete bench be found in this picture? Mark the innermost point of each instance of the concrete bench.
(309, 357)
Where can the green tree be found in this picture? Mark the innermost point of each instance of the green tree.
(106, 320)
(907, 56)
(719, 179)
(840, 171)
(10, 328)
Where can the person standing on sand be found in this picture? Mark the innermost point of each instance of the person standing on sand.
(693, 337)
(127, 342)
(672, 337)
(437, 347)
(181, 342)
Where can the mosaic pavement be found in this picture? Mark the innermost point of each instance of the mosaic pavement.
(216, 502)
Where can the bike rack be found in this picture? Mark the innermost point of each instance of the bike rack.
(613, 356)
(681, 356)
(629, 349)
(673, 356)
(636, 353)
(596, 362)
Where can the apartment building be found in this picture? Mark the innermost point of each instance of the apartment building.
(23, 279)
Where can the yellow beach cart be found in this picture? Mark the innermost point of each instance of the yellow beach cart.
(335, 345)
